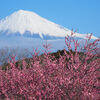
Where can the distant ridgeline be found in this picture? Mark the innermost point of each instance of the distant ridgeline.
(28, 34)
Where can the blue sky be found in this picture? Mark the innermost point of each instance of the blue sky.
(81, 15)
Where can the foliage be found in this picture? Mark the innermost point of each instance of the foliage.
(7, 53)
(70, 76)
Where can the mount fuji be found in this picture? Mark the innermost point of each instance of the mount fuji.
(29, 24)
(27, 30)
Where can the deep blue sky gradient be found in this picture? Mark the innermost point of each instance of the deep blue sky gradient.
(81, 15)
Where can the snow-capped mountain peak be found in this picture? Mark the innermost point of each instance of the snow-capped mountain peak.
(22, 21)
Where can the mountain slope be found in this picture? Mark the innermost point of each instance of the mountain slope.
(26, 22)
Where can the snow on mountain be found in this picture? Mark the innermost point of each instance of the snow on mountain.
(26, 21)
